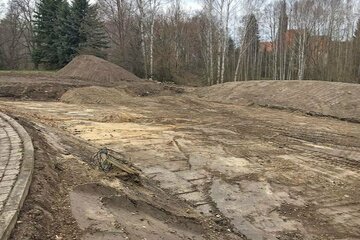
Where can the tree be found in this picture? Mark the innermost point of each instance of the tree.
(250, 48)
(147, 13)
(65, 50)
(210, 7)
(87, 32)
(356, 42)
(47, 34)
(62, 31)
(95, 37)
(280, 56)
(11, 38)
(142, 21)
(26, 12)
(120, 29)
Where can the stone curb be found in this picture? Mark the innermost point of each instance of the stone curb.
(9, 215)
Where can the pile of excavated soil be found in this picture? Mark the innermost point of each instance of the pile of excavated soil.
(94, 69)
(94, 95)
(339, 100)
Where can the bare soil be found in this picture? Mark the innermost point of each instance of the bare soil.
(94, 69)
(71, 199)
(212, 167)
(334, 99)
(52, 88)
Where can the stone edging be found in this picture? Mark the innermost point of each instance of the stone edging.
(9, 215)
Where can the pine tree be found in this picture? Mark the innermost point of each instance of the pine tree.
(65, 49)
(46, 37)
(88, 34)
(92, 28)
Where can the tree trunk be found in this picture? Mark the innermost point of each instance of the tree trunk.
(211, 60)
(220, 43)
(226, 32)
(152, 48)
(140, 4)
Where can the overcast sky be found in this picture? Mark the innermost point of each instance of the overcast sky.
(188, 4)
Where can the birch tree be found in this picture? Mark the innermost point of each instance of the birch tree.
(153, 10)
(225, 38)
(148, 10)
(142, 20)
(209, 8)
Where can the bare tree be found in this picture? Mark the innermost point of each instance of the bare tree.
(142, 19)
(209, 7)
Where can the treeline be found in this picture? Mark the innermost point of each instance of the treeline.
(50, 33)
(226, 40)
(61, 31)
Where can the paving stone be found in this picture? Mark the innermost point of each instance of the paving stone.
(16, 167)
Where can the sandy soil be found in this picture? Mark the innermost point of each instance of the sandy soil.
(261, 173)
(334, 99)
(71, 199)
(212, 167)
(95, 69)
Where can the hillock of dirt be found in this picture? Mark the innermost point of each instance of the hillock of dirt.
(339, 100)
(94, 69)
(94, 95)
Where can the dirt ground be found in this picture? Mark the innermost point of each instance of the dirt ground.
(210, 170)
(338, 100)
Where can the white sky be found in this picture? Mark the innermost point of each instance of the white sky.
(188, 5)
(191, 5)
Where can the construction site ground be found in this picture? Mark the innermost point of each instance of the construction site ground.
(211, 169)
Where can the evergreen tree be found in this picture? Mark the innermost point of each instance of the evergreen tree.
(65, 48)
(62, 31)
(88, 35)
(46, 37)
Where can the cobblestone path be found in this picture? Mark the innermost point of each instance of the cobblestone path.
(16, 166)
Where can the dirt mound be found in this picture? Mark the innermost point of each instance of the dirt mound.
(94, 69)
(339, 100)
(94, 95)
